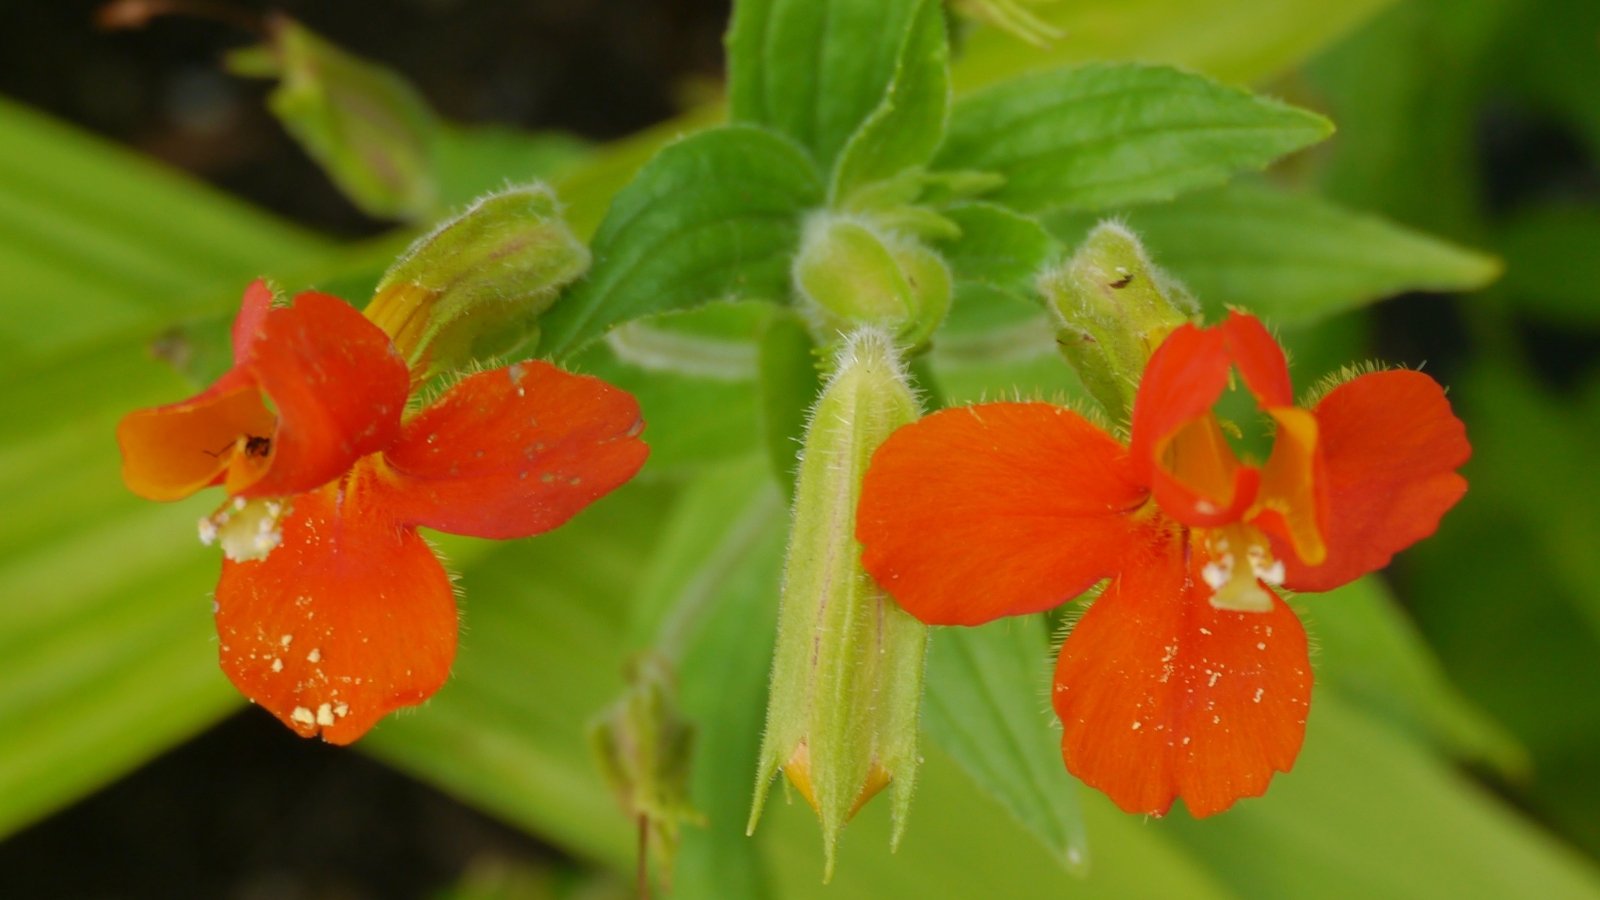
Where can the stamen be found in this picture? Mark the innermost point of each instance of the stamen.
(246, 529)
(1238, 587)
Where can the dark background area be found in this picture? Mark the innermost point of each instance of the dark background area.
(248, 810)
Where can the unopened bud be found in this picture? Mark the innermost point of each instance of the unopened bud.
(368, 129)
(1116, 308)
(847, 671)
(643, 746)
(499, 264)
(852, 274)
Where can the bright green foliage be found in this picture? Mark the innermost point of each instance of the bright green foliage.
(103, 666)
(905, 128)
(1292, 258)
(1109, 135)
(789, 382)
(814, 70)
(1239, 41)
(712, 217)
(96, 243)
(1002, 736)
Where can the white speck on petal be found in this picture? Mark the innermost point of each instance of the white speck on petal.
(277, 664)
(286, 640)
(1136, 725)
(325, 714)
(1259, 692)
(315, 656)
(1261, 645)
(303, 716)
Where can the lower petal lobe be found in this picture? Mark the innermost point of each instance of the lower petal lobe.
(998, 509)
(513, 452)
(349, 618)
(1390, 447)
(1161, 695)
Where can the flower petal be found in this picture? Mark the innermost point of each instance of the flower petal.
(1259, 359)
(169, 452)
(514, 452)
(999, 509)
(339, 389)
(1390, 446)
(1161, 695)
(247, 325)
(1176, 445)
(349, 618)
(1182, 381)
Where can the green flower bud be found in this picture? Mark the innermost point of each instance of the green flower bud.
(368, 129)
(1115, 308)
(851, 274)
(644, 747)
(847, 672)
(500, 263)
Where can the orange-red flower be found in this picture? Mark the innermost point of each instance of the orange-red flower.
(334, 611)
(1188, 677)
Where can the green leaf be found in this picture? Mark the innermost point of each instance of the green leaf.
(1410, 145)
(715, 216)
(999, 248)
(903, 132)
(691, 421)
(1292, 258)
(541, 652)
(815, 70)
(790, 384)
(1109, 135)
(1239, 41)
(1374, 657)
(96, 242)
(1313, 833)
(708, 599)
(1552, 271)
(112, 657)
(471, 162)
(984, 708)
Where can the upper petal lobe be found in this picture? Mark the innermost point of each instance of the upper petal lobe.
(339, 389)
(998, 509)
(514, 452)
(1389, 448)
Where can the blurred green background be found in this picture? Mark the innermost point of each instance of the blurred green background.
(1454, 746)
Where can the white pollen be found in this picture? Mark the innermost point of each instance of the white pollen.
(1186, 741)
(1217, 575)
(1205, 631)
(1216, 720)
(1259, 692)
(325, 714)
(1272, 574)
(303, 716)
(1213, 681)
(277, 665)
(1261, 645)
(341, 709)
(314, 657)
(286, 640)
(1136, 725)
